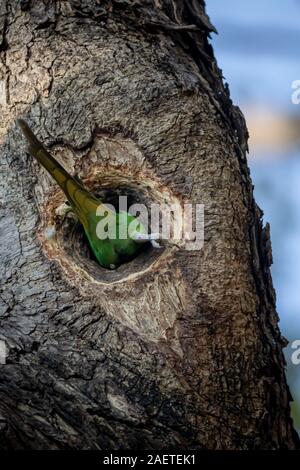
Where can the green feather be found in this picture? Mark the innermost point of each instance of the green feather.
(110, 252)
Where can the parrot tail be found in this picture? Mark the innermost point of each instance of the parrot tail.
(80, 199)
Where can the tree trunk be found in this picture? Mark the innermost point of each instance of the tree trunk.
(180, 347)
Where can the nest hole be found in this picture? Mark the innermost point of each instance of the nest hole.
(71, 237)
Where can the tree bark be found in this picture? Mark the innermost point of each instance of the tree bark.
(179, 348)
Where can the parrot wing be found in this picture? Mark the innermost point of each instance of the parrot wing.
(82, 202)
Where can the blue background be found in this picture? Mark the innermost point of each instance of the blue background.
(258, 49)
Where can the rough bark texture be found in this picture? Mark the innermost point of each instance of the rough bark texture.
(183, 350)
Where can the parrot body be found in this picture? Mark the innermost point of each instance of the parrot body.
(112, 251)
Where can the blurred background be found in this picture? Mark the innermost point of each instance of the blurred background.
(258, 50)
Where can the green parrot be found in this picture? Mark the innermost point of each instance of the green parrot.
(115, 247)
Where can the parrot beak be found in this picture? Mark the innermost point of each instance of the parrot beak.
(150, 237)
(146, 237)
